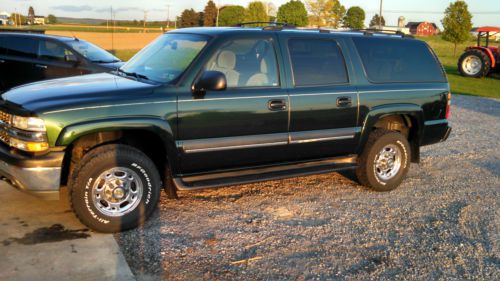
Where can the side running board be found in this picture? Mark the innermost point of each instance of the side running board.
(267, 173)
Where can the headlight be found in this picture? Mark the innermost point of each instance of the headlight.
(24, 133)
(28, 123)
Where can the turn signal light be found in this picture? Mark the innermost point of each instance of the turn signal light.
(28, 145)
(448, 106)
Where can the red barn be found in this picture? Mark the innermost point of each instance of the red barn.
(423, 28)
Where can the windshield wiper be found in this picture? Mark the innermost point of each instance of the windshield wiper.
(133, 74)
(105, 61)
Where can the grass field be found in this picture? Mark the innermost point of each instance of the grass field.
(89, 28)
(486, 87)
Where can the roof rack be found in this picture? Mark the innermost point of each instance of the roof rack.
(371, 31)
(271, 25)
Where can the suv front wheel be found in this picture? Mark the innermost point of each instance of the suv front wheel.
(114, 188)
(385, 160)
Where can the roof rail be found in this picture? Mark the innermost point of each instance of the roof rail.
(271, 25)
(371, 31)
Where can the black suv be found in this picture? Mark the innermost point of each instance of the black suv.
(26, 58)
(209, 107)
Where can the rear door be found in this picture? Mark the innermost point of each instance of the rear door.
(17, 60)
(244, 125)
(52, 62)
(323, 98)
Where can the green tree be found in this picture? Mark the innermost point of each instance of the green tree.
(256, 11)
(293, 12)
(189, 18)
(355, 18)
(325, 12)
(457, 23)
(210, 14)
(17, 19)
(231, 15)
(51, 19)
(31, 15)
(375, 21)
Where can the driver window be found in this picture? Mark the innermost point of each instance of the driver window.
(49, 50)
(246, 63)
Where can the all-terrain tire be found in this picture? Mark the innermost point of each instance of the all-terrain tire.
(367, 172)
(484, 68)
(108, 168)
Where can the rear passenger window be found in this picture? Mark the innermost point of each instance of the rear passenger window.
(22, 47)
(247, 63)
(389, 60)
(317, 62)
(52, 51)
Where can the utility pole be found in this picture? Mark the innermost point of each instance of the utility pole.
(112, 31)
(168, 16)
(218, 11)
(145, 19)
(380, 16)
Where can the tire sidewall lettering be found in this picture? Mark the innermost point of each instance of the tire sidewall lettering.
(148, 182)
(86, 199)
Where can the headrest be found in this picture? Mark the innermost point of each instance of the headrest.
(226, 59)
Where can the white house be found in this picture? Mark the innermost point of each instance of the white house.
(4, 18)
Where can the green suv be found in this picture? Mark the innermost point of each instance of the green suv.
(210, 107)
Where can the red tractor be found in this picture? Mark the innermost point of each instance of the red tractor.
(479, 61)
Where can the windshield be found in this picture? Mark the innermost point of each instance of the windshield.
(167, 57)
(92, 52)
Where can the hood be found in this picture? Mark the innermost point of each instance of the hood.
(77, 91)
(112, 65)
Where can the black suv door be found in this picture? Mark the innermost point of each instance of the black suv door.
(53, 60)
(244, 125)
(323, 99)
(16, 60)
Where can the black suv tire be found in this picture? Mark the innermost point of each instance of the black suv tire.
(485, 66)
(383, 148)
(114, 188)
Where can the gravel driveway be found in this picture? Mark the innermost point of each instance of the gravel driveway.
(443, 222)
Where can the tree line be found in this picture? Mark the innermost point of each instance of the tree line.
(318, 13)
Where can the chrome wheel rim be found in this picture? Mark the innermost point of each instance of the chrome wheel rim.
(388, 162)
(472, 65)
(117, 191)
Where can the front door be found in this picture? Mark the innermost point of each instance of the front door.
(244, 125)
(16, 60)
(52, 61)
(323, 100)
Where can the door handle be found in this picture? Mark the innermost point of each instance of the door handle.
(41, 66)
(276, 105)
(344, 101)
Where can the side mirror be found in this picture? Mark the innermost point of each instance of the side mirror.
(71, 58)
(210, 81)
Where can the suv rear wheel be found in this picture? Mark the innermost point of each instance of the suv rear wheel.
(115, 188)
(385, 160)
(474, 63)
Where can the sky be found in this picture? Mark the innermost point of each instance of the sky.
(485, 12)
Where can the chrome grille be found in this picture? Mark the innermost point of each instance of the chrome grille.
(5, 120)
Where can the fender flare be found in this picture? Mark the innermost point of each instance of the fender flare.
(158, 126)
(379, 112)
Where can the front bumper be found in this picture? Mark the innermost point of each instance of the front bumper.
(40, 176)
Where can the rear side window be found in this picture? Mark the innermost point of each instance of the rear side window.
(19, 46)
(395, 60)
(317, 62)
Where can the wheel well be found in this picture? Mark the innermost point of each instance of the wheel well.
(147, 142)
(407, 126)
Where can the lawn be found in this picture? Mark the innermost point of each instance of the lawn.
(486, 87)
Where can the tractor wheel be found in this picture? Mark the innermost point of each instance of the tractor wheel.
(474, 63)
